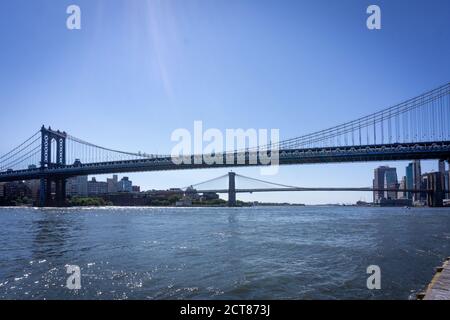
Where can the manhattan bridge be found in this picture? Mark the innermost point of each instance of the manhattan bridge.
(418, 128)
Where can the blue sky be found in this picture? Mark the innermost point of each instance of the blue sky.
(137, 70)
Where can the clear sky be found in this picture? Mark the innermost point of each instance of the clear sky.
(138, 70)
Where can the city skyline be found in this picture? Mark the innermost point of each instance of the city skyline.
(413, 179)
(384, 177)
(154, 70)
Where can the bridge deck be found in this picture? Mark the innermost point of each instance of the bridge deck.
(439, 150)
(439, 288)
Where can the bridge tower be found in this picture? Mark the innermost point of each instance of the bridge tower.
(50, 159)
(434, 183)
(231, 189)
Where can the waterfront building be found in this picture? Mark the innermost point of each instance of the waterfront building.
(34, 186)
(80, 186)
(417, 181)
(422, 196)
(378, 182)
(191, 193)
(185, 202)
(14, 190)
(97, 187)
(433, 182)
(395, 202)
(125, 185)
(390, 182)
(441, 169)
(409, 179)
(77, 186)
(385, 177)
(209, 196)
(401, 193)
(113, 184)
(447, 184)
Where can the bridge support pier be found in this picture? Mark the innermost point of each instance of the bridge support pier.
(231, 189)
(45, 192)
(435, 198)
(60, 192)
(42, 192)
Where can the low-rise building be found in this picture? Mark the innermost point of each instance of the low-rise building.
(77, 186)
(185, 202)
(95, 187)
(82, 187)
(34, 186)
(209, 196)
(15, 190)
(2, 189)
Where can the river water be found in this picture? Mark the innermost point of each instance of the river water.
(220, 253)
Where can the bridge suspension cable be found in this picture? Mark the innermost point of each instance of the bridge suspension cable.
(265, 182)
(425, 118)
(284, 187)
(22, 156)
(86, 152)
(420, 119)
(205, 182)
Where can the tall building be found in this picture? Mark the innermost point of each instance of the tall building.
(385, 178)
(422, 196)
(433, 182)
(441, 169)
(444, 178)
(390, 182)
(447, 184)
(417, 180)
(378, 182)
(402, 194)
(409, 180)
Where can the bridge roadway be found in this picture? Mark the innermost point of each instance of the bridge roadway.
(439, 150)
(249, 190)
(363, 189)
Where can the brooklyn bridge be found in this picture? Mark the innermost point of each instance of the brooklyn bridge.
(418, 128)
